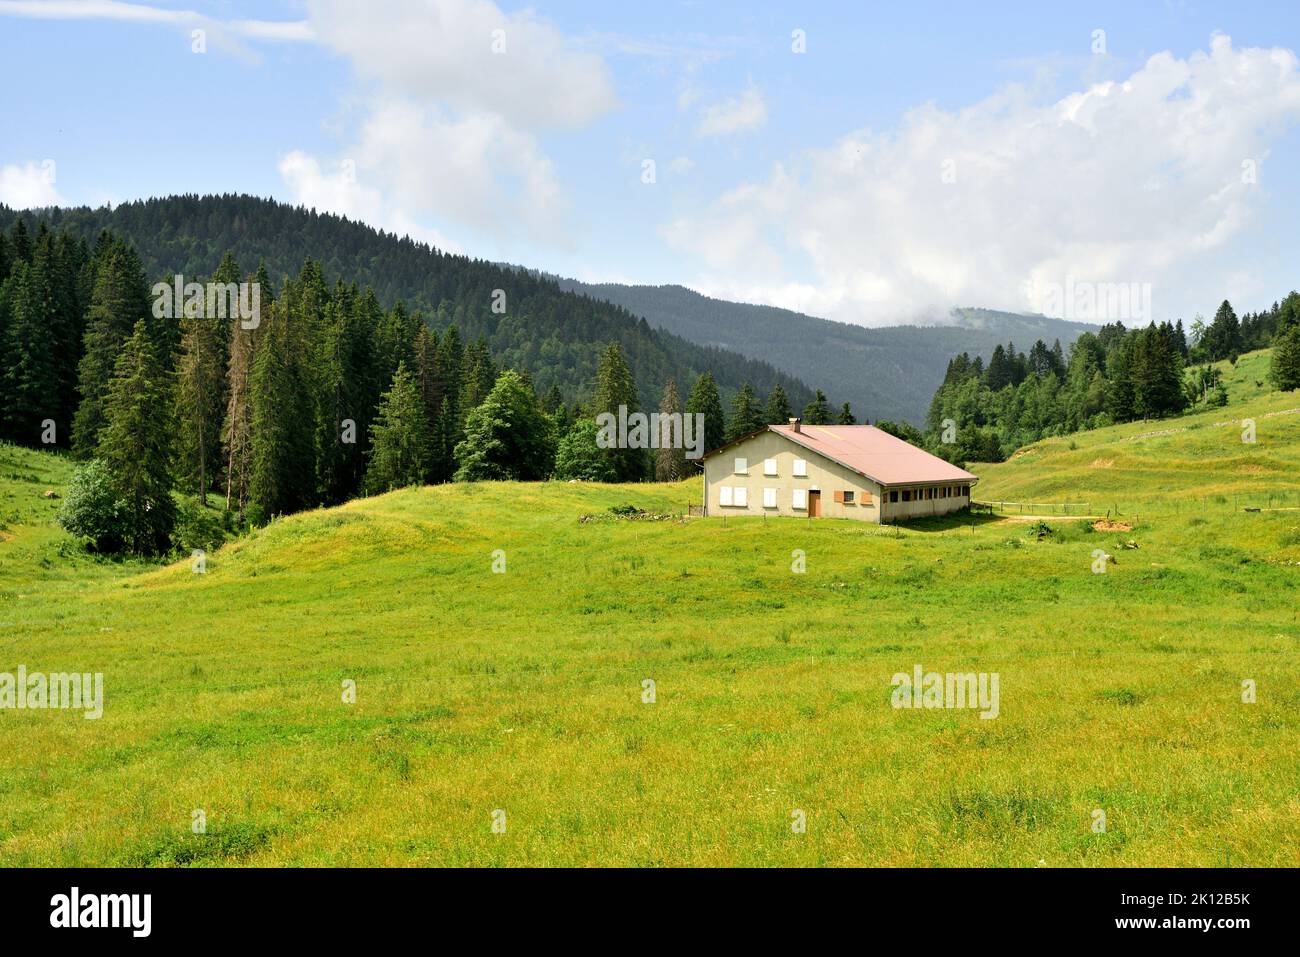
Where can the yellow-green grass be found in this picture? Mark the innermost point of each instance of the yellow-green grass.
(523, 691)
(1197, 463)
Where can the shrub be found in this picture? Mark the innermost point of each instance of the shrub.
(93, 510)
(197, 527)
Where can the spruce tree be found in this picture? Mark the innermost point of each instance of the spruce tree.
(615, 390)
(200, 392)
(778, 411)
(670, 463)
(846, 416)
(704, 400)
(746, 414)
(448, 361)
(136, 443)
(1284, 366)
(31, 377)
(431, 389)
(1223, 337)
(818, 411)
(282, 470)
(119, 299)
(399, 438)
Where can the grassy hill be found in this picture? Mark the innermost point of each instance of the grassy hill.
(1195, 462)
(522, 691)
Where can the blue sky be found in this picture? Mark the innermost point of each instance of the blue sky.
(916, 156)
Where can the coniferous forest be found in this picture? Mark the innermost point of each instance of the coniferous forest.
(333, 391)
(983, 412)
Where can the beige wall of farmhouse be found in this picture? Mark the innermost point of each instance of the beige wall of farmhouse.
(824, 475)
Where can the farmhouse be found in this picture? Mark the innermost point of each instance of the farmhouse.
(831, 471)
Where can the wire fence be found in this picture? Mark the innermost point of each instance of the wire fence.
(1032, 508)
(1262, 501)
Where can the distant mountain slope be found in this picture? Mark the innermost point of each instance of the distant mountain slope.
(555, 335)
(890, 372)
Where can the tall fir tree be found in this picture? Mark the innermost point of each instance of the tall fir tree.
(237, 427)
(1284, 365)
(431, 389)
(670, 459)
(119, 299)
(399, 444)
(616, 390)
(136, 443)
(1223, 337)
(778, 411)
(846, 416)
(818, 411)
(704, 400)
(448, 361)
(746, 414)
(200, 392)
(30, 376)
(282, 468)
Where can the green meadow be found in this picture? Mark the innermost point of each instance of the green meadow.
(500, 636)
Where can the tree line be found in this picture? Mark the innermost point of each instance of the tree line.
(983, 412)
(538, 327)
(327, 395)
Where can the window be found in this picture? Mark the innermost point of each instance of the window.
(741, 497)
(866, 498)
(769, 498)
(769, 466)
(893, 496)
(799, 499)
(848, 498)
(742, 467)
(907, 495)
(800, 468)
(724, 495)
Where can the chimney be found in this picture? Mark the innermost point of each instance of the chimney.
(794, 425)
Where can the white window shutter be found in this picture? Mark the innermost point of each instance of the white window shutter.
(769, 466)
(769, 498)
(800, 499)
(742, 467)
(801, 468)
(724, 495)
(742, 496)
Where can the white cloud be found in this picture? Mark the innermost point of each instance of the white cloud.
(443, 51)
(681, 165)
(29, 186)
(223, 34)
(461, 92)
(734, 115)
(1119, 182)
(339, 191)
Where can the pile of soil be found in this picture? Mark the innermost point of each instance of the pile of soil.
(1105, 525)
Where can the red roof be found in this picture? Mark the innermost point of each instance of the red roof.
(875, 453)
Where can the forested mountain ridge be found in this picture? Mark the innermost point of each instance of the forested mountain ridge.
(886, 373)
(553, 334)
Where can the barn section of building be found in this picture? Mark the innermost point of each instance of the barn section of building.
(831, 471)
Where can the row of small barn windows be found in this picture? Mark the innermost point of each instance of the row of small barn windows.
(925, 494)
(769, 467)
(738, 497)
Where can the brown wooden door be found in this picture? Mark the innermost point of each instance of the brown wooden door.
(814, 504)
